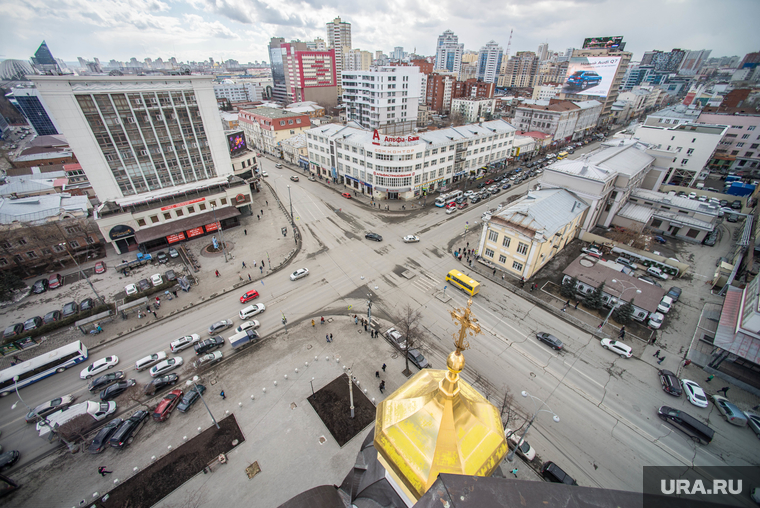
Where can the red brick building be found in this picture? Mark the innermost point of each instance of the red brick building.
(442, 88)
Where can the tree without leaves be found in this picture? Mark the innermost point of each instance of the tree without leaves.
(623, 314)
(407, 323)
(9, 283)
(569, 288)
(593, 300)
(507, 409)
(632, 236)
(76, 429)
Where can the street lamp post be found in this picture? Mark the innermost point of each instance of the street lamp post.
(511, 454)
(292, 219)
(369, 307)
(66, 246)
(613, 307)
(221, 232)
(192, 382)
(71, 447)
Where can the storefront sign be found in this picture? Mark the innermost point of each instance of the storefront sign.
(391, 140)
(175, 238)
(185, 203)
(194, 232)
(211, 227)
(118, 232)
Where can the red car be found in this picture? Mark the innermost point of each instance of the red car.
(167, 405)
(346, 195)
(489, 182)
(55, 281)
(451, 205)
(100, 267)
(250, 295)
(463, 205)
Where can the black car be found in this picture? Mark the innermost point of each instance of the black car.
(105, 380)
(126, 432)
(711, 239)
(144, 285)
(40, 286)
(481, 185)
(207, 345)
(7, 459)
(116, 389)
(550, 339)
(52, 316)
(373, 236)
(170, 275)
(85, 305)
(732, 217)
(32, 323)
(674, 293)
(737, 204)
(13, 331)
(723, 202)
(161, 382)
(474, 200)
(70, 309)
(190, 397)
(670, 383)
(101, 439)
(162, 257)
(506, 186)
(460, 200)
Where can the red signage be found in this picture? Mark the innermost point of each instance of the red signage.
(212, 227)
(375, 136)
(192, 201)
(389, 140)
(194, 232)
(175, 238)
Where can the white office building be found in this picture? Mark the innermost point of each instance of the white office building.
(383, 97)
(405, 167)
(473, 109)
(448, 53)
(489, 62)
(239, 92)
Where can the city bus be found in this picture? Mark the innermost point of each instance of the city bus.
(562, 155)
(42, 366)
(463, 282)
(450, 197)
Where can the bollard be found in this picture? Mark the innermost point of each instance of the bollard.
(264, 390)
(275, 383)
(286, 376)
(252, 397)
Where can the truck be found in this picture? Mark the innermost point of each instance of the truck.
(97, 410)
(142, 259)
(739, 189)
(243, 338)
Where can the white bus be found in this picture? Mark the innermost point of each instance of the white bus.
(42, 366)
(444, 200)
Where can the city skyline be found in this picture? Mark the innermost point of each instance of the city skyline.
(191, 30)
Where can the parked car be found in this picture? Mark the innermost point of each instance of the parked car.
(143, 284)
(100, 441)
(86, 305)
(525, 450)
(248, 296)
(251, 310)
(13, 331)
(167, 405)
(346, 195)
(299, 274)
(694, 393)
(674, 293)
(165, 366)
(550, 339)
(126, 432)
(624, 350)
(173, 252)
(753, 421)
(52, 316)
(417, 359)
(649, 280)
(294, 178)
(40, 286)
(730, 412)
(657, 272)
(49, 407)
(208, 359)
(247, 325)
(736, 204)
(207, 345)
(711, 239)
(732, 217)
(55, 281)
(116, 389)
(162, 257)
(7, 459)
(660, 239)
(130, 289)
(670, 383)
(32, 323)
(101, 382)
(70, 309)
(373, 236)
(411, 239)
(554, 473)
(99, 366)
(626, 262)
(170, 275)
(156, 279)
(593, 251)
(161, 382)
(665, 304)
(150, 360)
(655, 320)
(191, 396)
(184, 342)
(462, 206)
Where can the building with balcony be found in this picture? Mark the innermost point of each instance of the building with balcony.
(265, 128)
(739, 149)
(448, 53)
(473, 110)
(489, 62)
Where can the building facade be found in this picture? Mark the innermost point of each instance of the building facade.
(276, 62)
(739, 150)
(310, 74)
(339, 40)
(405, 167)
(28, 100)
(519, 71)
(448, 53)
(266, 128)
(489, 62)
(239, 92)
(563, 120)
(472, 110)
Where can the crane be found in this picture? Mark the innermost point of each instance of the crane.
(509, 44)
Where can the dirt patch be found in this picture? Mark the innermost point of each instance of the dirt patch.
(332, 404)
(158, 480)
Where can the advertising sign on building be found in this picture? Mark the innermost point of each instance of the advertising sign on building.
(591, 75)
(236, 142)
(603, 42)
(194, 232)
(175, 238)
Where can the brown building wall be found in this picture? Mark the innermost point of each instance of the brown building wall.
(325, 96)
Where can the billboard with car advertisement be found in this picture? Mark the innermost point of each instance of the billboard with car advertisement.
(591, 75)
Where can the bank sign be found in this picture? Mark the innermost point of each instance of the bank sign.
(377, 139)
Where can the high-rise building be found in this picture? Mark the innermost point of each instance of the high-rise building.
(543, 51)
(384, 98)
(317, 44)
(279, 86)
(339, 39)
(519, 71)
(310, 75)
(489, 62)
(664, 61)
(357, 60)
(239, 92)
(28, 100)
(693, 61)
(398, 53)
(448, 54)
(44, 61)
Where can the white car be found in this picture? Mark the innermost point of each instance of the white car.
(252, 310)
(449, 211)
(99, 366)
(525, 449)
(220, 325)
(300, 273)
(665, 305)
(655, 320)
(247, 325)
(692, 195)
(149, 361)
(208, 359)
(694, 393)
(593, 251)
(156, 279)
(184, 342)
(130, 289)
(624, 350)
(166, 366)
(264, 173)
(656, 272)
(411, 239)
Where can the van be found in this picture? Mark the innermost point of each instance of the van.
(562, 155)
(687, 424)
(242, 338)
(554, 473)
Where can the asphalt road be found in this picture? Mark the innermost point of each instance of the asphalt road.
(607, 405)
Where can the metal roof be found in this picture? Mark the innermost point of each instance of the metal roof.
(545, 211)
(738, 343)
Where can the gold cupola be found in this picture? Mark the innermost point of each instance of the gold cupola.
(438, 423)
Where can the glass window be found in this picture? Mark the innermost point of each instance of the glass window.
(493, 236)
(505, 242)
(489, 253)
(522, 248)
(502, 259)
(517, 266)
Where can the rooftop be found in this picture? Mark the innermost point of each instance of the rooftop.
(272, 113)
(38, 209)
(544, 211)
(678, 111)
(675, 201)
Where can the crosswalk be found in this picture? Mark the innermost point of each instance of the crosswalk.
(425, 283)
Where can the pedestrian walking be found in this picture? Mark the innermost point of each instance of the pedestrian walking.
(262, 213)
(254, 263)
(365, 326)
(502, 276)
(245, 231)
(262, 262)
(494, 272)
(267, 202)
(249, 276)
(322, 320)
(377, 374)
(356, 320)
(240, 276)
(653, 340)
(243, 264)
(468, 244)
(327, 337)
(331, 339)
(257, 217)
(174, 293)
(522, 282)
(261, 269)
(724, 390)
(660, 360)
(382, 386)
(312, 322)
(576, 305)
(222, 395)
(217, 273)
(531, 287)
(514, 472)
(709, 378)
(657, 353)
(564, 307)
(622, 332)
(535, 286)
(103, 472)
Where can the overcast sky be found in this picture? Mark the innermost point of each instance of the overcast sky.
(241, 29)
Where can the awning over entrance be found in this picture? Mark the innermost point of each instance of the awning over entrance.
(145, 235)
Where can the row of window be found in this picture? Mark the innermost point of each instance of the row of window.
(178, 212)
(71, 230)
(18, 258)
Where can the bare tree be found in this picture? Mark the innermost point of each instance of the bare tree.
(407, 323)
(76, 429)
(507, 409)
(135, 394)
(631, 236)
(456, 118)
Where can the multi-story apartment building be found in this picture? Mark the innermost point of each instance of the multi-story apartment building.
(489, 62)
(740, 147)
(310, 74)
(543, 51)
(448, 53)
(519, 71)
(339, 40)
(472, 110)
(563, 120)
(239, 92)
(669, 61)
(265, 128)
(357, 60)
(551, 72)
(442, 88)
(693, 61)
(27, 99)
(154, 152)
(546, 92)
(405, 167)
(383, 97)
